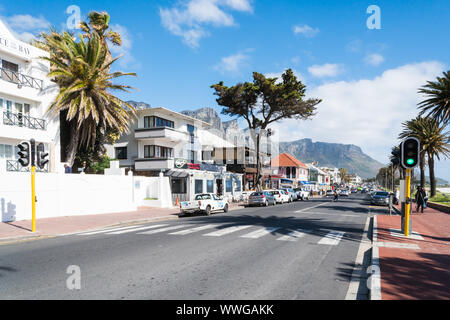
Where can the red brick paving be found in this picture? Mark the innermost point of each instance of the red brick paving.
(416, 274)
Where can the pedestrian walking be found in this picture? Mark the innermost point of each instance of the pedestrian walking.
(420, 199)
(336, 196)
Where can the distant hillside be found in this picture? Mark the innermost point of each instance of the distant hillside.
(337, 155)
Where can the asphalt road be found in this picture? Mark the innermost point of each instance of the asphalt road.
(302, 250)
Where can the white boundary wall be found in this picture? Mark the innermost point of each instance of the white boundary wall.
(60, 195)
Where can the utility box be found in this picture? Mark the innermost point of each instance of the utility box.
(402, 191)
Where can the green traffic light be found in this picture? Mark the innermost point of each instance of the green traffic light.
(410, 161)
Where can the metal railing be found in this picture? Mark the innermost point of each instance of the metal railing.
(21, 79)
(15, 166)
(21, 120)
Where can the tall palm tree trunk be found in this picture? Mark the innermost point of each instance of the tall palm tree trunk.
(422, 170)
(432, 175)
(72, 147)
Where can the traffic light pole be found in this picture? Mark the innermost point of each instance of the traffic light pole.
(33, 185)
(408, 202)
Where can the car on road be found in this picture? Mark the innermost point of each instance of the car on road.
(262, 198)
(204, 203)
(345, 192)
(354, 190)
(291, 193)
(302, 194)
(329, 193)
(280, 196)
(380, 198)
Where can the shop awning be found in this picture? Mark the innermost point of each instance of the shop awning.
(176, 174)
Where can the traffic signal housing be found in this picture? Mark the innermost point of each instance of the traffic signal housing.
(410, 153)
(41, 156)
(396, 156)
(24, 154)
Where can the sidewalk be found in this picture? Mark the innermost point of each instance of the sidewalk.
(49, 227)
(417, 267)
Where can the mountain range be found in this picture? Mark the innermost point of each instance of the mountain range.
(324, 154)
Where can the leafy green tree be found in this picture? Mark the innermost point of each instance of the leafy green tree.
(85, 98)
(437, 106)
(263, 102)
(343, 174)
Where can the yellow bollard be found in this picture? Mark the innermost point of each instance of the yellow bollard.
(408, 201)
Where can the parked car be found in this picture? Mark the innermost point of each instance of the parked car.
(291, 193)
(302, 194)
(330, 193)
(280, 196)
(205, 203)
(380, 198)
(345, 192)
(262, 198)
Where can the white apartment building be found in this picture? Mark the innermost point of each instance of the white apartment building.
(335, 178)
(161, 140)
(25, 95)
(355, 179)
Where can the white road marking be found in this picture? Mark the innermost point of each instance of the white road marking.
(193, 230)
(332, 239)
(300, 211)
(294, 235)
(225, 231)
(398, 245)
(164, 229)
(107, 230)
(138, 229)
(259, 233)
(399, 233)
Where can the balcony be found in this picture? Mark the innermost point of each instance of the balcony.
(164, 133)
(21, 79)
(15, 166)
(21, 120)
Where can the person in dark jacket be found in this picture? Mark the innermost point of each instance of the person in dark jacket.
(420, 199)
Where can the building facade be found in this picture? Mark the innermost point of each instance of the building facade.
(288, 171)
(25, 96)
(162, 140)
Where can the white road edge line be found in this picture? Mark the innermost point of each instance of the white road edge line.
(358, 270)
(375, 279)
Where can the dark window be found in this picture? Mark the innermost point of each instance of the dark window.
(229, 185)
(156, 122)
(121, 153)
(198, 186)
(210, 186)
(192, 154)
(179, 186)
(288, 172)
(157, 152)
(294, 172)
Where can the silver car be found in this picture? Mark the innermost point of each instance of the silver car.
(262, 198)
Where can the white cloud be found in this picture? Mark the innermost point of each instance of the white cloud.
(232, 64)
(127, 60)
(325, 70)
(374, 59)
(306, 30)
(189, 19)
(26, 27)
(366, 112)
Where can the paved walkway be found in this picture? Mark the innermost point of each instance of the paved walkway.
(65, 225)
(418, 267)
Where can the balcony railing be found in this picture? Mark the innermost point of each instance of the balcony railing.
(15, 166)
(21, 79)
(21, 120)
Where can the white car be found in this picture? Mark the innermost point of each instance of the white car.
(206, 203)
(280, 196)
(302, 194)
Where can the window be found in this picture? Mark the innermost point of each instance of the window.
(198, 186)
(121, 153)
(6, 151)
(210, 186)
(10, 71)
(288, 172)
(294, 172)
(1, 104)
(229, 185)
(158, 152)
(156, 122)
(179, 186)
(192, 156)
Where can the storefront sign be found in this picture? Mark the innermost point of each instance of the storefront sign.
(184, 164)
(14, 46)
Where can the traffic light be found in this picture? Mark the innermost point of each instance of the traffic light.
(41, 156)
(410, 153)
(396, 156)
(24, 154)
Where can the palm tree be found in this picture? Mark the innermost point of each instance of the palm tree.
(437, 143)
(82, 72)
(416, 128)
(434, 142)
(438, 103)
(343, 174)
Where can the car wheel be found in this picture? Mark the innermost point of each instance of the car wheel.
(266, 204)
(208, 211)
(225, 209)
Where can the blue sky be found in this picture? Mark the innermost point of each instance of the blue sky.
(368, 79)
